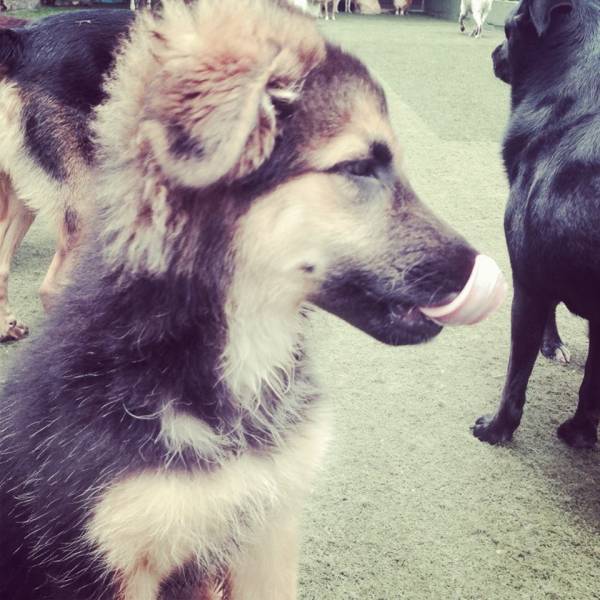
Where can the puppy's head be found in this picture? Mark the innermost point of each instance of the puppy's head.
(242, 120)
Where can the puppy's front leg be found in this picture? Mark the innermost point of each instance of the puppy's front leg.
(529, 315)
(268, 569)
(581, 430)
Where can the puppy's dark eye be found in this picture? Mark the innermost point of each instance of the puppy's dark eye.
(365, 167)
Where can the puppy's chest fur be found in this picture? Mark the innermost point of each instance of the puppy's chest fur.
(148, 525)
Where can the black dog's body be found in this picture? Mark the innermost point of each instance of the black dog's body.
(552, 156)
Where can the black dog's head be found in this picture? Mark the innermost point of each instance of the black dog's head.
(540, 35)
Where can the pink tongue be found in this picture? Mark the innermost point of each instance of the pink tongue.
(481, 296)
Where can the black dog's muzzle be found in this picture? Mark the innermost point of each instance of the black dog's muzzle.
(500, 60)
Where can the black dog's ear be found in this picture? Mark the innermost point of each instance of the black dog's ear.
(11, 49)
(541, 12)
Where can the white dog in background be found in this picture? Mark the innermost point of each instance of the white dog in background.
(324, 4)
(302, 4)
(308, 6)
(479, 9)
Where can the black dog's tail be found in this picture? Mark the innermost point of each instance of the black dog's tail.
(11, 49)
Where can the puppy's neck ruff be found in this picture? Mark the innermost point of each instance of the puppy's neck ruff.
(263, 346)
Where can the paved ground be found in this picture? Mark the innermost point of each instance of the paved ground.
(409, 504)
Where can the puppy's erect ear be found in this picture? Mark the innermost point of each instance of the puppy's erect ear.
(209, 112)
(541, 12)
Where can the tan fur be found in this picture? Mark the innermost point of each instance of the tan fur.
(268, 568)
(219, 89)
(270, 284)
(364, 124)
(146, 526)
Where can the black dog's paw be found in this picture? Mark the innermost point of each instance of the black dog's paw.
(488, 429)
(578, 434)
(557, 351)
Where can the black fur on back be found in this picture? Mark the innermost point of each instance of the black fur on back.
(11, 50)
(69, 54)
(59, 64)
(551, 152)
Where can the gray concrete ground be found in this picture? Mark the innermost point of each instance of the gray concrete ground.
(409, 504)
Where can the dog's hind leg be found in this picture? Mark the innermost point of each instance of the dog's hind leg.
(268, 568)
(581, 430)
(463, 15)
(552, 345)
(476, 33)
(529, 315)
(62, 261)
(15, 220)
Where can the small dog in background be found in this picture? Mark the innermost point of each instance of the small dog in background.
(402, 6)
(325, 5)
(479, 9)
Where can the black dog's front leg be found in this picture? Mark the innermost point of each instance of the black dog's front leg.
(552, 346)
(527, 327)
(581, 430)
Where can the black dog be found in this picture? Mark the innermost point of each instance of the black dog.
(551, 58)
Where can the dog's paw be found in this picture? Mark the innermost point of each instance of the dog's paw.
(578, 434)
(556, 351)
(13, 331)
(488, 429)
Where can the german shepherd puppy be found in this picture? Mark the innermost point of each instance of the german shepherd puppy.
(50, 80)
(551, 151)
(160, 433)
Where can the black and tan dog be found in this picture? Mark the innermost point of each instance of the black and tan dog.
(551, 58)
(160, 433)
(50, 80)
